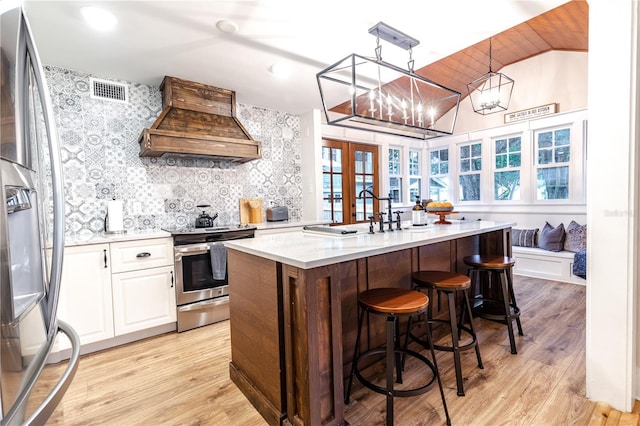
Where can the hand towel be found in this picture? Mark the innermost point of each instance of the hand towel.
(218, 261)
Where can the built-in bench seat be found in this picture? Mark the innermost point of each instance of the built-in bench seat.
(550, 265)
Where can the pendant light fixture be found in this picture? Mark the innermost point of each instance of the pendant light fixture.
(490, 93)
(370, 94)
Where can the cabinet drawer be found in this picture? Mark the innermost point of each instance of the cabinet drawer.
(141, 254)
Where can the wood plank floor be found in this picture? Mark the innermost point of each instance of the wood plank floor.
(183, 378)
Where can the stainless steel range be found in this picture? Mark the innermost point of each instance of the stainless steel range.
(202, 290)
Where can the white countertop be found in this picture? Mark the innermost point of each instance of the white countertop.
(288, 224)
(305, 250)
(79, 240)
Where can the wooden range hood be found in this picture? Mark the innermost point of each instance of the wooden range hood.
(197, 119)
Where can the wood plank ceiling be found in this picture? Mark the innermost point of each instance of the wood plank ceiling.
(564, 28)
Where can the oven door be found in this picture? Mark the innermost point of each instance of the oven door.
(194, 275)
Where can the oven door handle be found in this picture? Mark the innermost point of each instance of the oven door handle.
(205, 304)
(191, 249)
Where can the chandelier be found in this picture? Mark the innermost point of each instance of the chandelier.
(370, 94)
(491, 92)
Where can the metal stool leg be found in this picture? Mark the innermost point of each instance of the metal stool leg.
(435, 367)
(514, 303)
(356, 352)
(507, 312)
(390, 355)
(453, 320)
(471, 327)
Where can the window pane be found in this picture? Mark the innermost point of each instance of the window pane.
(395, 188)
(444, 168)
(435, 169)
(337, 186)
(337, 211)
(465, 166)
(414, 163)
(514, 144)
(358, 162)
(326, 159)
(514, 160)
(553, 183)
(501, 146)
(501, 161)
(435, 156)
(562, 154)
(545, 140)
(476, 150)
(337, 160)
(439, 188)
(470, 187)
(563, 136)
(414, 188)
(368, 162)
(326, 185)
(465, 151)
(545, 156)
(476, 164)
(507, 185)
(444, 155)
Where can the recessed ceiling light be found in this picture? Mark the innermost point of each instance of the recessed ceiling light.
(227, 26)
(98, 19)
(281, 69)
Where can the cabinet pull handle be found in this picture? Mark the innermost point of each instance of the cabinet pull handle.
(143, 254)
(105, 258)
(171, 279)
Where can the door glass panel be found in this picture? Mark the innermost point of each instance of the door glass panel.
(368, 162)
(326, 159)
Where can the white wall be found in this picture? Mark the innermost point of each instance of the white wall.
(552, 77)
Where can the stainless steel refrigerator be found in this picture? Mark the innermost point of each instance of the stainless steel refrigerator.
(31, 228)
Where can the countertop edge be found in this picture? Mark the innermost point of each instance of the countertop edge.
(343, 255)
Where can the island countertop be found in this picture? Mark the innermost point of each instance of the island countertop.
(306, 250)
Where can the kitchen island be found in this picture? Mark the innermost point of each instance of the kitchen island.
(293, 302)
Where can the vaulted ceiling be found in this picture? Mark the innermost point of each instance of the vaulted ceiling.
(564, 28)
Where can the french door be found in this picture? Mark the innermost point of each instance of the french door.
(347, 170)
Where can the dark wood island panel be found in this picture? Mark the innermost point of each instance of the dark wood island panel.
(293, 330)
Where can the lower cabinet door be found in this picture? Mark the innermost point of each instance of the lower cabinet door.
(85, 293)
(143, 299)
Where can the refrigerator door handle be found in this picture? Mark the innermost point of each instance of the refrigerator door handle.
(57, 184)
(48, 406)
(40, 415)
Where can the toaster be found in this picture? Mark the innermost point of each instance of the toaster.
(277, 214)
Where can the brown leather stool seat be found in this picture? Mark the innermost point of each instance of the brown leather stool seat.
(449, 283)
(503, 308)
(393, 303)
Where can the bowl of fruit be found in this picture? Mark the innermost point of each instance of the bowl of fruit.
(439, 206)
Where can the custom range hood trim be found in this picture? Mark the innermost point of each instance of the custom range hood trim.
(198, 119)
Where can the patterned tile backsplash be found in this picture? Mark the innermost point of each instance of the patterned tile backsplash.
(99, 151)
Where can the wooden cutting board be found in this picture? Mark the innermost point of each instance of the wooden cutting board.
(251, 210)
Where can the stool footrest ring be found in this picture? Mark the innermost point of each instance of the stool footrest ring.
(465, 347)
(397, 392)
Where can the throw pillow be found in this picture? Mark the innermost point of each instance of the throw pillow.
(576, 237)
(551, 238)
(524, 237)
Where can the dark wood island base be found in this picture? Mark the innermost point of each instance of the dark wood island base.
(293, 330)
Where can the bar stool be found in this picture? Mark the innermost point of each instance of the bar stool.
(393, 303)
(448, 283)
(503, 309)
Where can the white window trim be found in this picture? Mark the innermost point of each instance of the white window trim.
(459, 172)
(524, 185)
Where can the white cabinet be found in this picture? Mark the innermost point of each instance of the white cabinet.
(143, 285)
(85, 293)
(112, 289)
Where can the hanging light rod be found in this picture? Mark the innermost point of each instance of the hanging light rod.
(393, 36)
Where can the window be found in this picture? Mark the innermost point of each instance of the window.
(508, 162)
(439, 174)
(470, 168)
(553, 153)
(395, 175)
(415, 180)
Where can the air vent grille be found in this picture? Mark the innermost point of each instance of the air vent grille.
(108, 90)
